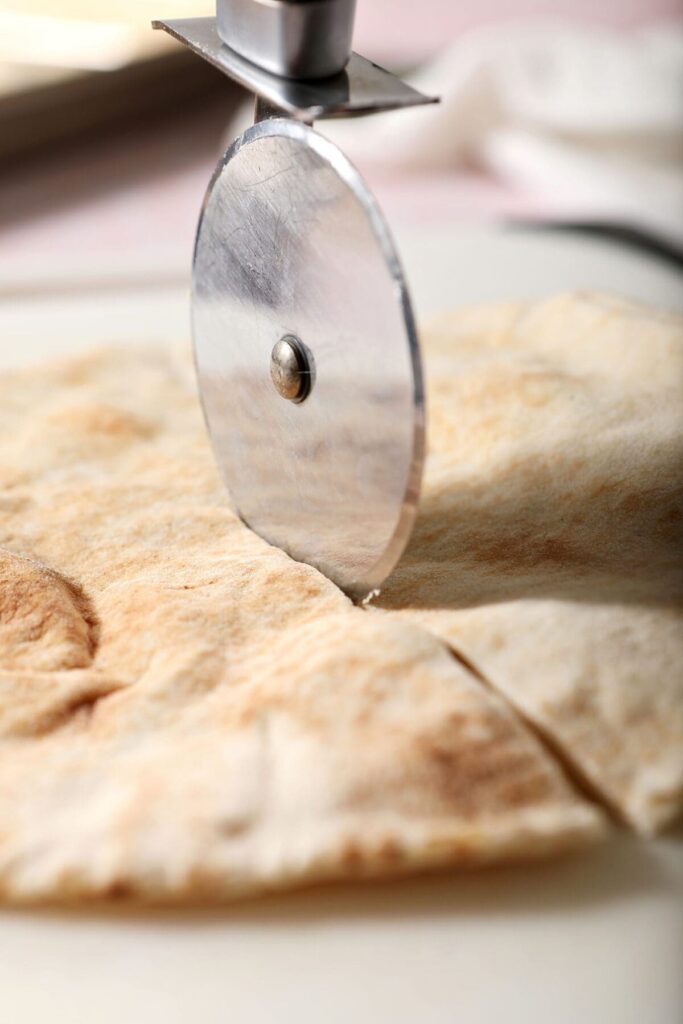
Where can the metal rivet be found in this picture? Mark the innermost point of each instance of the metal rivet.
(290, 369)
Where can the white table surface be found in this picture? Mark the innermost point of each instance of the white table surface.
(596, 939)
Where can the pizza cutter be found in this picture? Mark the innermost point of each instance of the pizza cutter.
(305, 344)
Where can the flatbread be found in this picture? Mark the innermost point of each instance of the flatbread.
(185, 713)
(549, 547)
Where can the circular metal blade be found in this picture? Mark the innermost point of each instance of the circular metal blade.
(291, 247)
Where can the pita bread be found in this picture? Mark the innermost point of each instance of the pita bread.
(186, 713)
(549, 548)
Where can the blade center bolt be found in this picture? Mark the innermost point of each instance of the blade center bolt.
(290, 369)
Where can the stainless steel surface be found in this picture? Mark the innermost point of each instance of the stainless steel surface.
(363, 88)
(290, 369)
(296, 38)
(290, 241)
(263, 110)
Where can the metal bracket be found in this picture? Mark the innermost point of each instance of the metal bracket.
(363, 88)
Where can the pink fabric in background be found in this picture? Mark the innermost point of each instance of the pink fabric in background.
(408, 31)
(143, 193)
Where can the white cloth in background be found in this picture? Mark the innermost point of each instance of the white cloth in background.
(589, 120)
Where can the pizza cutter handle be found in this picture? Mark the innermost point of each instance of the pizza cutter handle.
(299, 39)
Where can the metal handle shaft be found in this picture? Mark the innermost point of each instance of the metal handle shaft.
(301, 39)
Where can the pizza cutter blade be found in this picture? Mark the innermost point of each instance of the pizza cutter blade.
(305, 345)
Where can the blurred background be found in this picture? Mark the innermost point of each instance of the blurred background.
(555, 114)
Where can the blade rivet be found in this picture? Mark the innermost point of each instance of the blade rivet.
(290, 369)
